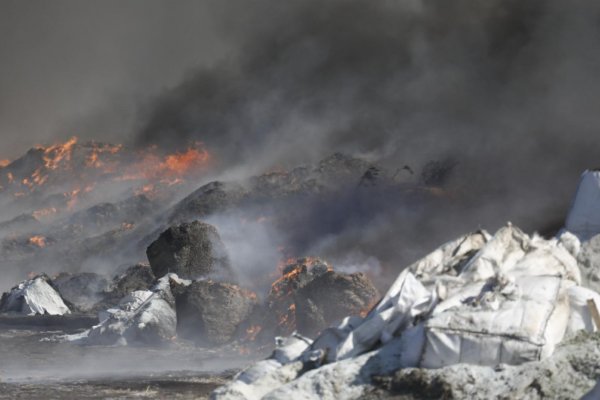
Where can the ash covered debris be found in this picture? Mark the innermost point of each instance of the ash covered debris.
(142, 317)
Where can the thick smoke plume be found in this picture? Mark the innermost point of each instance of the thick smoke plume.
(501, 95)
(506, 89)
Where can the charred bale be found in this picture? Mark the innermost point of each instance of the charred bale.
(82, 290)
(279, 316)
(210, 313)
(330, 297)
(190, 250)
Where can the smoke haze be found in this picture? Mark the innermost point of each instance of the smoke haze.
(504, 90)
(84, 68)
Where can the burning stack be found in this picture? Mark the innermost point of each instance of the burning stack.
(310, 295)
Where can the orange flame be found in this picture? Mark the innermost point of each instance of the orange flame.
(39, 241)
(168, 169)
(54, 155)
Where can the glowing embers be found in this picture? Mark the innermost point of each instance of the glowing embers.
(38, 241)
(96, 160)
(295, 274)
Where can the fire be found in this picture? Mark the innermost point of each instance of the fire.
(168, 169)
(39, 241)
(181, 163)
(293, 272)
(54, 155)
(38, 178)
(94, 158)
(78, 168)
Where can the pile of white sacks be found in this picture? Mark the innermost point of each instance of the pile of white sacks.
(480, 299)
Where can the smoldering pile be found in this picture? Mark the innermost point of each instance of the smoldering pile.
(196, 298)
(483, 316)
(200, 295)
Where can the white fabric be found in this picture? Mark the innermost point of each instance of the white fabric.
(482, 300)
(584, 216)
(142, 316)
(580, 317)
(35, 296)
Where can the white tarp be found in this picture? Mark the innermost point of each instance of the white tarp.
(33, 297)
(584, 216)
(143, 316)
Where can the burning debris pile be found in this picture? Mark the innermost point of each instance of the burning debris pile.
(482, 299)
(310, 294)
(136, 308)
(457, 323)
(70, 204)
(211, 313)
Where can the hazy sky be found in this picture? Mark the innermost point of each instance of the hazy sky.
(70, 67)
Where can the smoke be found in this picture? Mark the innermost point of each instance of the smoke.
(75, 69)
(508, 89)
(504, 91)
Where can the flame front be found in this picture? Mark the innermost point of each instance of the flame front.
(170, 168)
(55, 155)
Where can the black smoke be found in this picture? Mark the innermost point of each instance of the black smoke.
(506, 89)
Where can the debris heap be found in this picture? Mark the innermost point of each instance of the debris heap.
(481, 300)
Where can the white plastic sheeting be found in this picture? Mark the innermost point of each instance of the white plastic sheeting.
(33, 297)
(481, 299)
(143, 316)
(584, 216)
